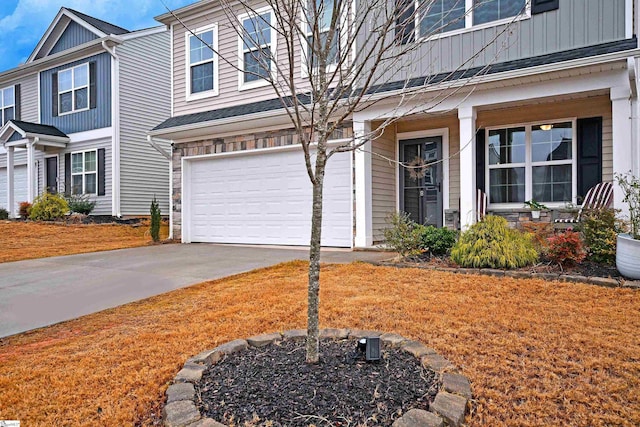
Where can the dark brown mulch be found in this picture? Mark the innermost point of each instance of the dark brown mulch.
(274, 386)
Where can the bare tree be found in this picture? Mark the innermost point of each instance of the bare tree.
(355, 54)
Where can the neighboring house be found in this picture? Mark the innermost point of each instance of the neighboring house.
(74, 117)
(553, 111)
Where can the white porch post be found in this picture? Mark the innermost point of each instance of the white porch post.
(467, 118)
(31, 194)
(10, 197)
(621, 112)
(364, 216)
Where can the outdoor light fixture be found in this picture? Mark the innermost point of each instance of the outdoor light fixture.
(546, 127)
(371, 348)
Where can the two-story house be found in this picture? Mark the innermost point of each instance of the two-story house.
(548, 108)
(74, 117)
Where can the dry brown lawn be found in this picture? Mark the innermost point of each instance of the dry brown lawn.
(538, 353)
(29, 240)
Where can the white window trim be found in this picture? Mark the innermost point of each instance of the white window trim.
(73, 89)
(216, 71)
(4, 107)
(468, 26)
(273, 46)
(83, 173)
(528, 164)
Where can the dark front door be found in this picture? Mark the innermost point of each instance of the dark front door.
(421, 179)
(52, 175)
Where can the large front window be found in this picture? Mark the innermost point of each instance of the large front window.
(257, 41)
(202, 61)
(531, 162)
(73, 89)
(7, 104)
(84, 172)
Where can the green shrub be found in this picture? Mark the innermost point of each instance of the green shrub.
(80, 203)
(4, 214)
(492, 244)
(48, 207)
(437, 241)
(403, 235)
(600, 228)
(155, 220)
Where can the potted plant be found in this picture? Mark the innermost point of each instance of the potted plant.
(628, 245)
(535, 207)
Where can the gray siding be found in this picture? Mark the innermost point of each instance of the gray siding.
(95, 118)
(74, 35)
(145, 101)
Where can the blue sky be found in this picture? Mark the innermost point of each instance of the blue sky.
(23, 22)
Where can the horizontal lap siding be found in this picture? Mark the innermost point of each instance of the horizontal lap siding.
(383, 181)
(145, 96)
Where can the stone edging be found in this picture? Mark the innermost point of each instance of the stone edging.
(599, 281)
(448, 408)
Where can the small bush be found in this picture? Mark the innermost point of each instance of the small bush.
(80, 203)
(24, 210)
(600, 228)
(4, 214)
(540, 232)
(155, 220)
(48, 207)
(437, 241)
(566, 248)
(403, 235)
(492, 244)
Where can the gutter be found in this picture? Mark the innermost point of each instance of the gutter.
(115, 125)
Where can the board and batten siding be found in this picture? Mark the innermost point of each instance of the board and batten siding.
(95, 118)
(74, 35)
(145, 101)
(383, 181)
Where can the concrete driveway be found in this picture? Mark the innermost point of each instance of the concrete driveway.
(42, 292)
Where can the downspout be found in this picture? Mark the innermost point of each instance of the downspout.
(635, 112)
(115, 124)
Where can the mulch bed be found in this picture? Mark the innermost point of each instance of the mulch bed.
(274, 386)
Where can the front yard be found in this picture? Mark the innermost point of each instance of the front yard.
(29, 240)
(537, 353)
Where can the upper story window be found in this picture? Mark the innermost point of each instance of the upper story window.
(493, 10)
(73, 89)
(202, 62)
(7, 104)
(437, 16)
(84, 172)
(318, 17)
(258, 47)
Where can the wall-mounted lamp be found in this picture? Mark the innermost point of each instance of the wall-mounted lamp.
(546, 127)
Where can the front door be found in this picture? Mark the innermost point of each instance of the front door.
(421, 179)
(52, 175)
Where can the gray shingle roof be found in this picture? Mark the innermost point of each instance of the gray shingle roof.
(276, 104)
(101, 25)
(38, 128)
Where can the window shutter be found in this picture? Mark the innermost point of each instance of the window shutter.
(589, 154)
(541, 6)
(16, 97)
(67, 173)
(101, 174)
(480, 160)
(405, 21)
(54, 94)
(93, 93)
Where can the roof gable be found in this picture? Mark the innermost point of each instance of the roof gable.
(74, 35)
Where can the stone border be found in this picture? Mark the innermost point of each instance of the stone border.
(448, 408)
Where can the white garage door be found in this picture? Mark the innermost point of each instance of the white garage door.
(265, 199)
(19, 186)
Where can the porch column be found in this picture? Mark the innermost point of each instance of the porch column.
(10, 197)
(364, 216)
(467, 118)
(621, 113)
(31, 194)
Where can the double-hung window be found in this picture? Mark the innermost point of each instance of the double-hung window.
(494, 10)
(7, 104)
(258, 46)
(437, 16)
(84, 172)
(73, 89)
(534, 161)
(202, 61)
(319, 17)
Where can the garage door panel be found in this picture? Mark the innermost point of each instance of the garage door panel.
(19, 186)
(266, 199)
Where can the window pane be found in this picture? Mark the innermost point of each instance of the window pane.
(199, 51)
(82, 99)
(257, 63)
(492, 10)
(441, 15)
(202, 77)
(257, 31)
(8, 97)
(506, 146)
(66, 103)
(551, 144)
(64, 80)
(552, 183)
(9, 114)
(90, 161)
(76, 163)
(506, 185)
(81, 76)
(90, 183)
(76, 184)
(323, 9)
